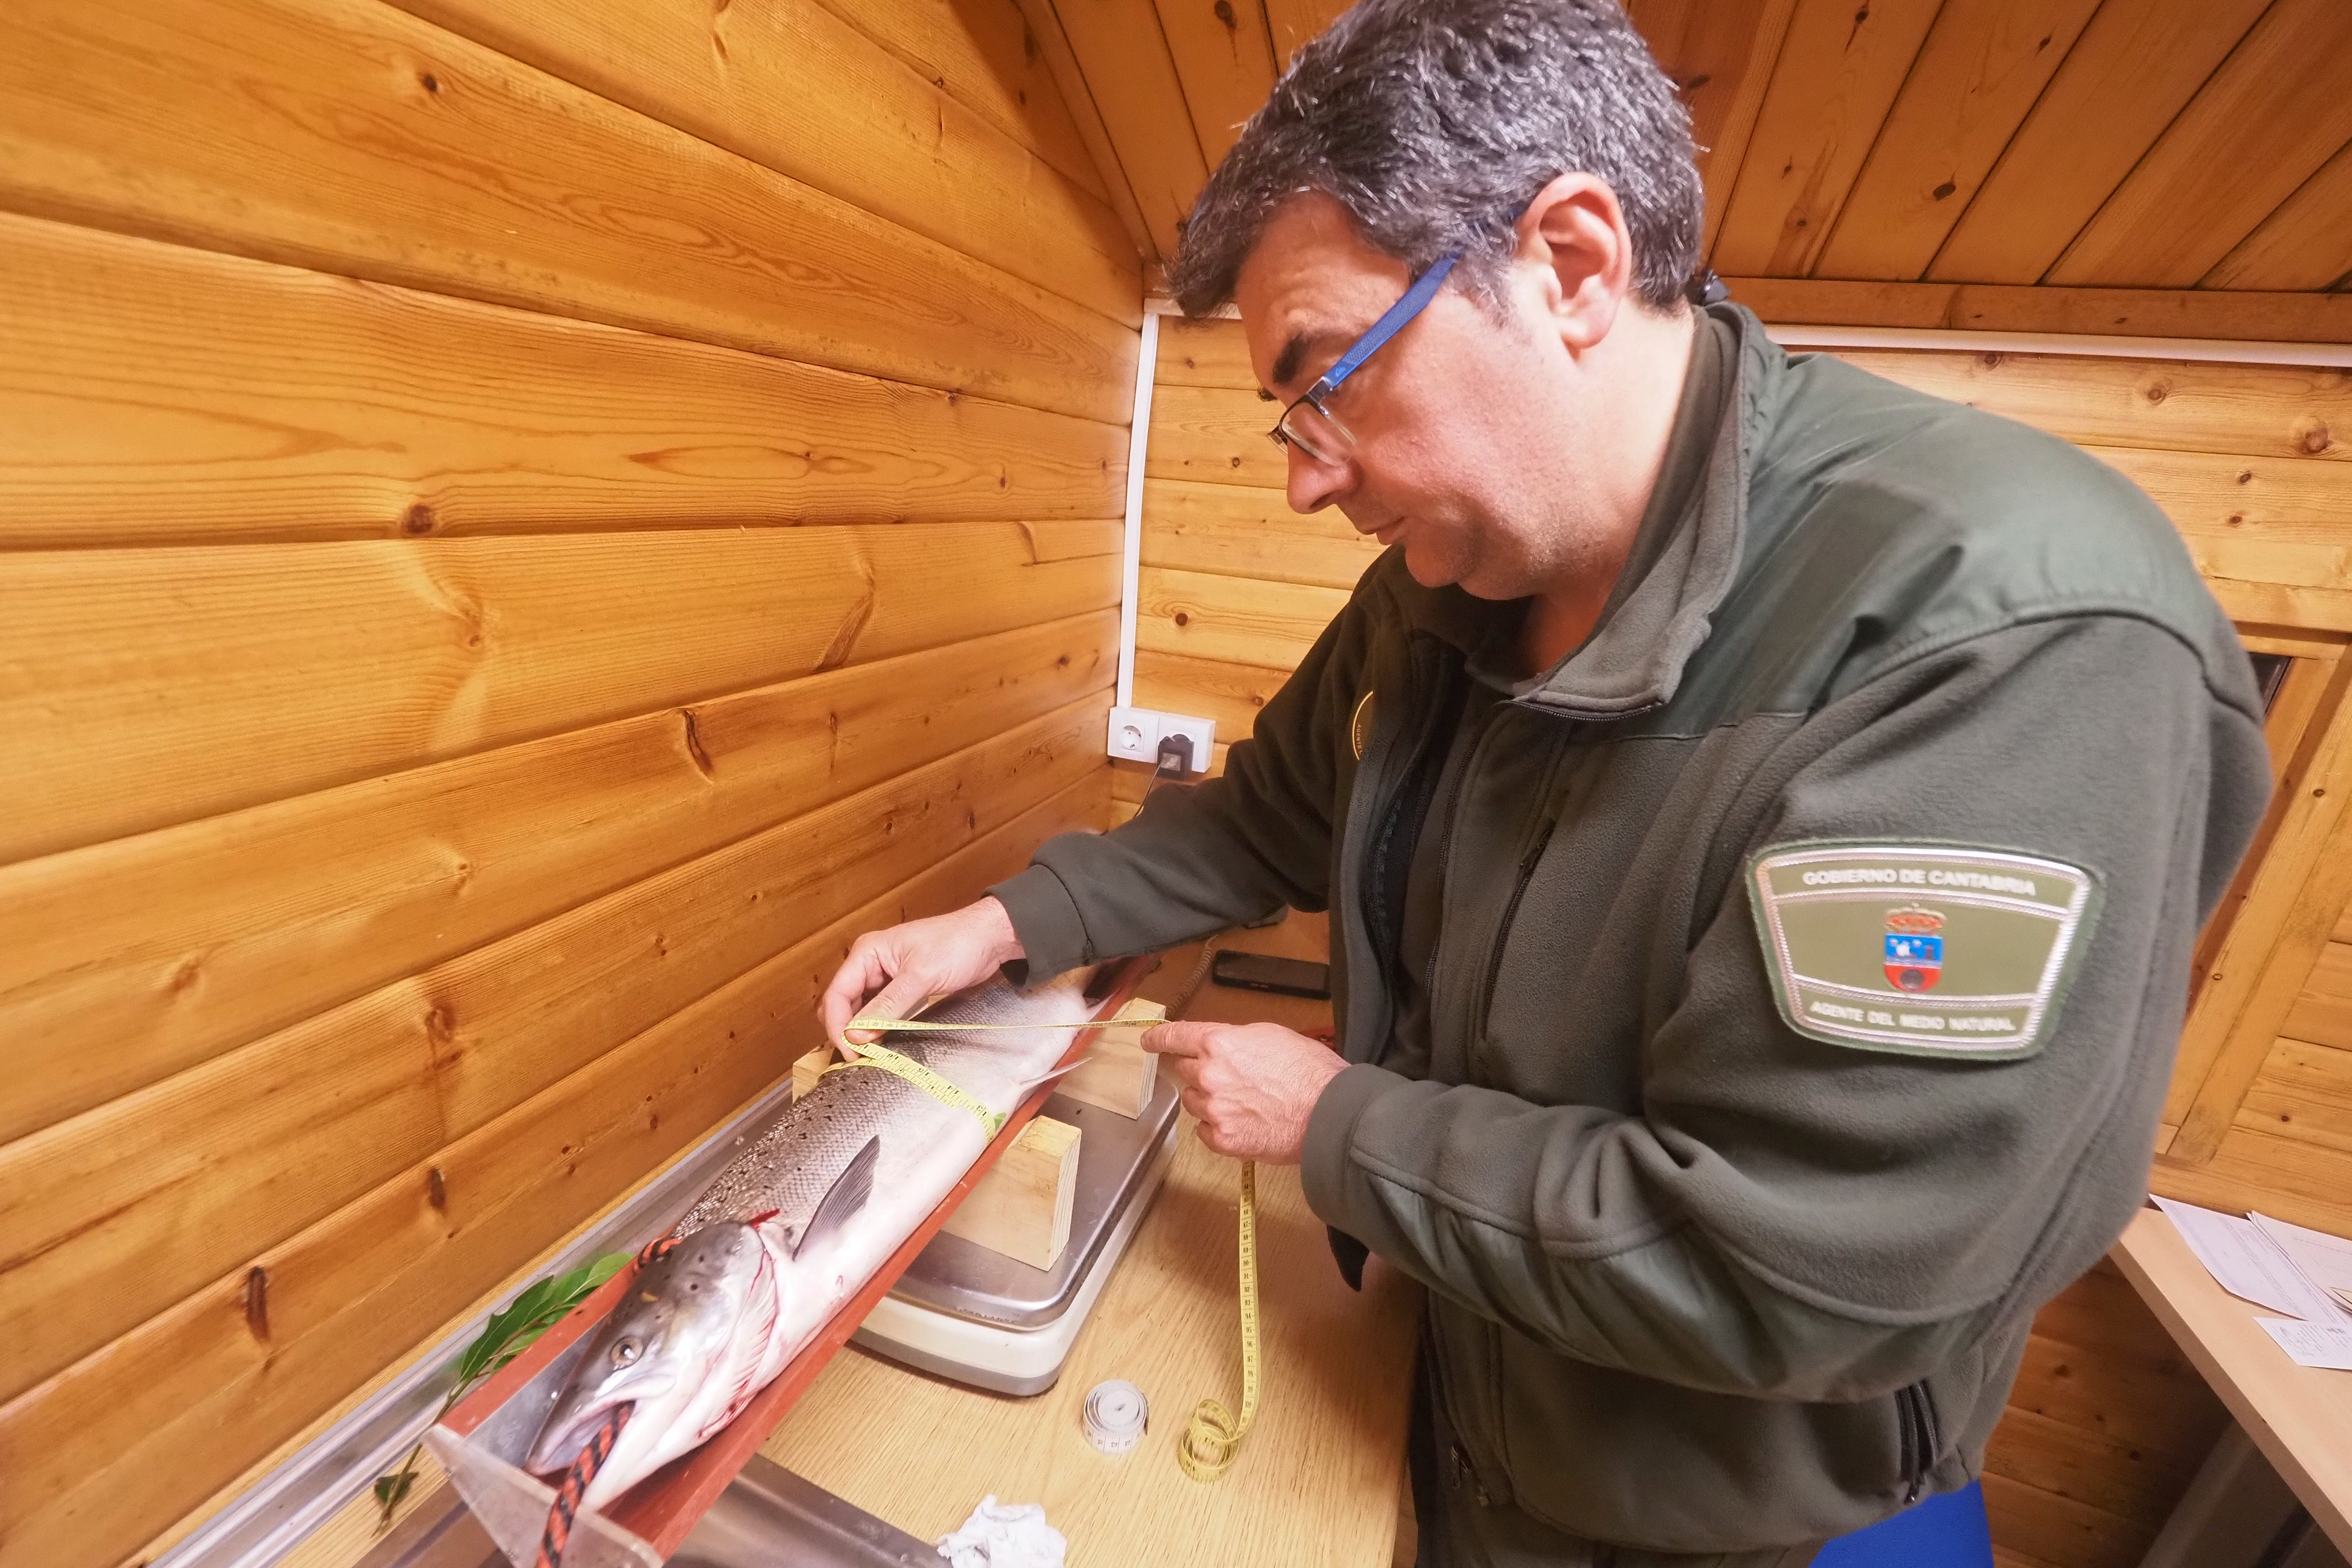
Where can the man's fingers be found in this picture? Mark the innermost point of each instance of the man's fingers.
(1179, 1039)
(858, 975)
(896, 1000)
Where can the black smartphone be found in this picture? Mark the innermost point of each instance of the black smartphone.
(1284, 976)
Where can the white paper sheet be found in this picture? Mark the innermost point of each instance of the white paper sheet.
(2326, 1260)
(2312, 1344)
(2245, 1261)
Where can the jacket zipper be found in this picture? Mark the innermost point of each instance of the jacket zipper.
(1510, 915)
(1915, 1413)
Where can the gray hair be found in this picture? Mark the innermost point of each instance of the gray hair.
(1433, 121)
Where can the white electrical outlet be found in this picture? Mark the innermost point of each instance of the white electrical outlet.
(1136, 734)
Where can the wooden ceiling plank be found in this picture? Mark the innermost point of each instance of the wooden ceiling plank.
(1294, 21)
(2132, 71)
(1838, 74)
(1053, 44)
(2272, 115)
(1720, 55)
(1224, 60)
(2229, 315)
(1985, 64)
(2305, 243)
(1121, 54)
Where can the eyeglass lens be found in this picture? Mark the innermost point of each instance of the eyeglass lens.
(1316, 433)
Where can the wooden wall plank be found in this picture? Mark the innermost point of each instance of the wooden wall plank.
(95, 1460)
(148, 686)
(982, 54)
(2091, 1387)
(2059, 1530)
(1214, 434)
(2305, 243)
(1231, 694)
(1720, 54)
(790, 85)
(306, 131)
(1984, 64)
(1214, 352)
(2117, 1476)
(2262, 317)
(2294, 1179)
(175, 945)
(1838, 74)
(1118, 48)
(1223, 56)
(2134, 69)
(2230, 159)
(2285, 411)
(1245, 532)
(2212, 492)
(1234, 620)
(2324, 1012)
(352, 410)
(144, 1198)
(2304, 1093)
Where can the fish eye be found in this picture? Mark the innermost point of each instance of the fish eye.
(627, 1351)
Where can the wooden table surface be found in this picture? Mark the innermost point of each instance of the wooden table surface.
(1317, 1478)
(2299, 1416)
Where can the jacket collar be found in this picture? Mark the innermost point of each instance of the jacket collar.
(1684, 561)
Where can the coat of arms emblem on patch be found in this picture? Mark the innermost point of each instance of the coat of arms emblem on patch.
(1915, 948)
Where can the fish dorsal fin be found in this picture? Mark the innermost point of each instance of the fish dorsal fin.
(850, 1191)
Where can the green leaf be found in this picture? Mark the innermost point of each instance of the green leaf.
(535, 1309)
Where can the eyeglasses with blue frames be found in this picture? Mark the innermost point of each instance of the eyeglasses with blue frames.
(1308, 423)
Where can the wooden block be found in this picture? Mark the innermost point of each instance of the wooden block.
(807, 1069)
(1117, 1072)
(1022, 1207)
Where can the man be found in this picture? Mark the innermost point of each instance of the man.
(1765, 815)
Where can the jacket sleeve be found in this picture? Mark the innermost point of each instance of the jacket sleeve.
(1790, 1218)
(1224, 852)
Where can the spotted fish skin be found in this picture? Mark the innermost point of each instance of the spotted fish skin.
(751, 1282)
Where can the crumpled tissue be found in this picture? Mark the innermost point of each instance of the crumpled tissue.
(1004, 1535)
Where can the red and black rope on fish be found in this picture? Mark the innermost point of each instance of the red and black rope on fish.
(577, 1479)
(574, 1486)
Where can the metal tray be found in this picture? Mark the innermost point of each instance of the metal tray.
(1115, 1156)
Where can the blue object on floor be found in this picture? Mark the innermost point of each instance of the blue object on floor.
(1948, 1530)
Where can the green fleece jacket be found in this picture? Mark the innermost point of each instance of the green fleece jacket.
(1812, 948)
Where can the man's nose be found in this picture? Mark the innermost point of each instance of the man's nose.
(1314, 485)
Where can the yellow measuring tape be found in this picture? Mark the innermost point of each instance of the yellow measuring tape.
(887, 1060)
(1212, 1442)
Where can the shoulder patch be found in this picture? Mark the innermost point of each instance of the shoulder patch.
(1919, 948)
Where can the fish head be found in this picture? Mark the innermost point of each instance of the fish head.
(672, 1334)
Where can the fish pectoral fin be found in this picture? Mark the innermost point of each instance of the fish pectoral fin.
(850, 1191)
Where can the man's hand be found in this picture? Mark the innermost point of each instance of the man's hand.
(1252, 1086)
(889, 973)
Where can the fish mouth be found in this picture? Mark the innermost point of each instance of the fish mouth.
(558, 1447)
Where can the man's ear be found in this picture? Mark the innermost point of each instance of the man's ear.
(1575, 257)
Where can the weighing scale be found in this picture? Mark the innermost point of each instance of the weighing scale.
(970, 1314)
